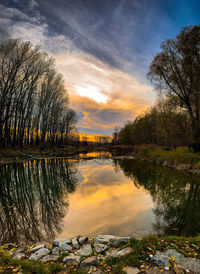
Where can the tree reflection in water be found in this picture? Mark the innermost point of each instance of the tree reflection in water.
(33, 199)
(176, 196)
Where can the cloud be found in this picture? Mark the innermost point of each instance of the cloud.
(125, 97)
(32, 4)
(105, 91)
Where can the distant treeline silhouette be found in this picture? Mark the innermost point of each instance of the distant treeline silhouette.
(33, 98)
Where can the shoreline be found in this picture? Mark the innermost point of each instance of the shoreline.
(184, 162)
(105, 254)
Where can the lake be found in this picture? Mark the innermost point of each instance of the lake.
(49, 198)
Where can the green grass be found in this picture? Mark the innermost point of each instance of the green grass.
(8, 264)
(181, 155)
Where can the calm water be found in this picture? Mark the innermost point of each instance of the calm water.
(44, 199)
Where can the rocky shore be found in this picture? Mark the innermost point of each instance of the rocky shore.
(104, 254)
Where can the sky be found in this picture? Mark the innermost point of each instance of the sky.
(103, 48)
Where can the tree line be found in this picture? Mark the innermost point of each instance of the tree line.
(164, 124)
(175, 118)
(33, 98)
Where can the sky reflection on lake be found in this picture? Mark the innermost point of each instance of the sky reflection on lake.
(107, 202)
(48, 198)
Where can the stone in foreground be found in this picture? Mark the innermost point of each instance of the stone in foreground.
(50, 258)
(82, 240)
(91, 261)
(19, 256)
(159, 270)
(100, 248)
(61, 241)
(119, 253)
(75, 243)
(86, 250)
(65, 247)
(117, 241)
(56, 251)
(132, 270)
(103, 239)
(163, 258)
(97, 271)
(71, 259)
(39, 254)
(111, 240)
(36, 248)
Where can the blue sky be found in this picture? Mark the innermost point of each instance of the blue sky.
(102, 47)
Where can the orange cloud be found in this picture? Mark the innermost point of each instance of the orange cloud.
(103, 97)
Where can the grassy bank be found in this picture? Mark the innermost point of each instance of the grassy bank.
(140, 257)
(180, 155)
(181, 158)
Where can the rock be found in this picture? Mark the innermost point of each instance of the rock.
(192, 264)
(177, 256)
(61, 241)
(71, 259)
(65, 247)
(97, 271)
(75, 243)
(132, 270)
(119, 253)
(36, 248)
(103, 239)
(86, 250)
(153, 270)
(49, 258)
(20, 250)
(100, 248)
(111, 240)
(91, 261)
(19, 256)
(56, 251)
(117, 241)
(163, 258)
(39, 254)
(82, 239)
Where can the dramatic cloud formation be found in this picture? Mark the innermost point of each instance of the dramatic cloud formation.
(103, 48)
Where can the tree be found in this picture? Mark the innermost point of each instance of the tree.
(175, 70)
(33, 98)
(116, 132)
(164, 124)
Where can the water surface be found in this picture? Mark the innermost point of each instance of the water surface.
(44, 199)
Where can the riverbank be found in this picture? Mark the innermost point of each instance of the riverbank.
(180, 159)
(34, 153)
(104, 254)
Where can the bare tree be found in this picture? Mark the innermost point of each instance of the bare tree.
(33, 98)
(175, 70)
